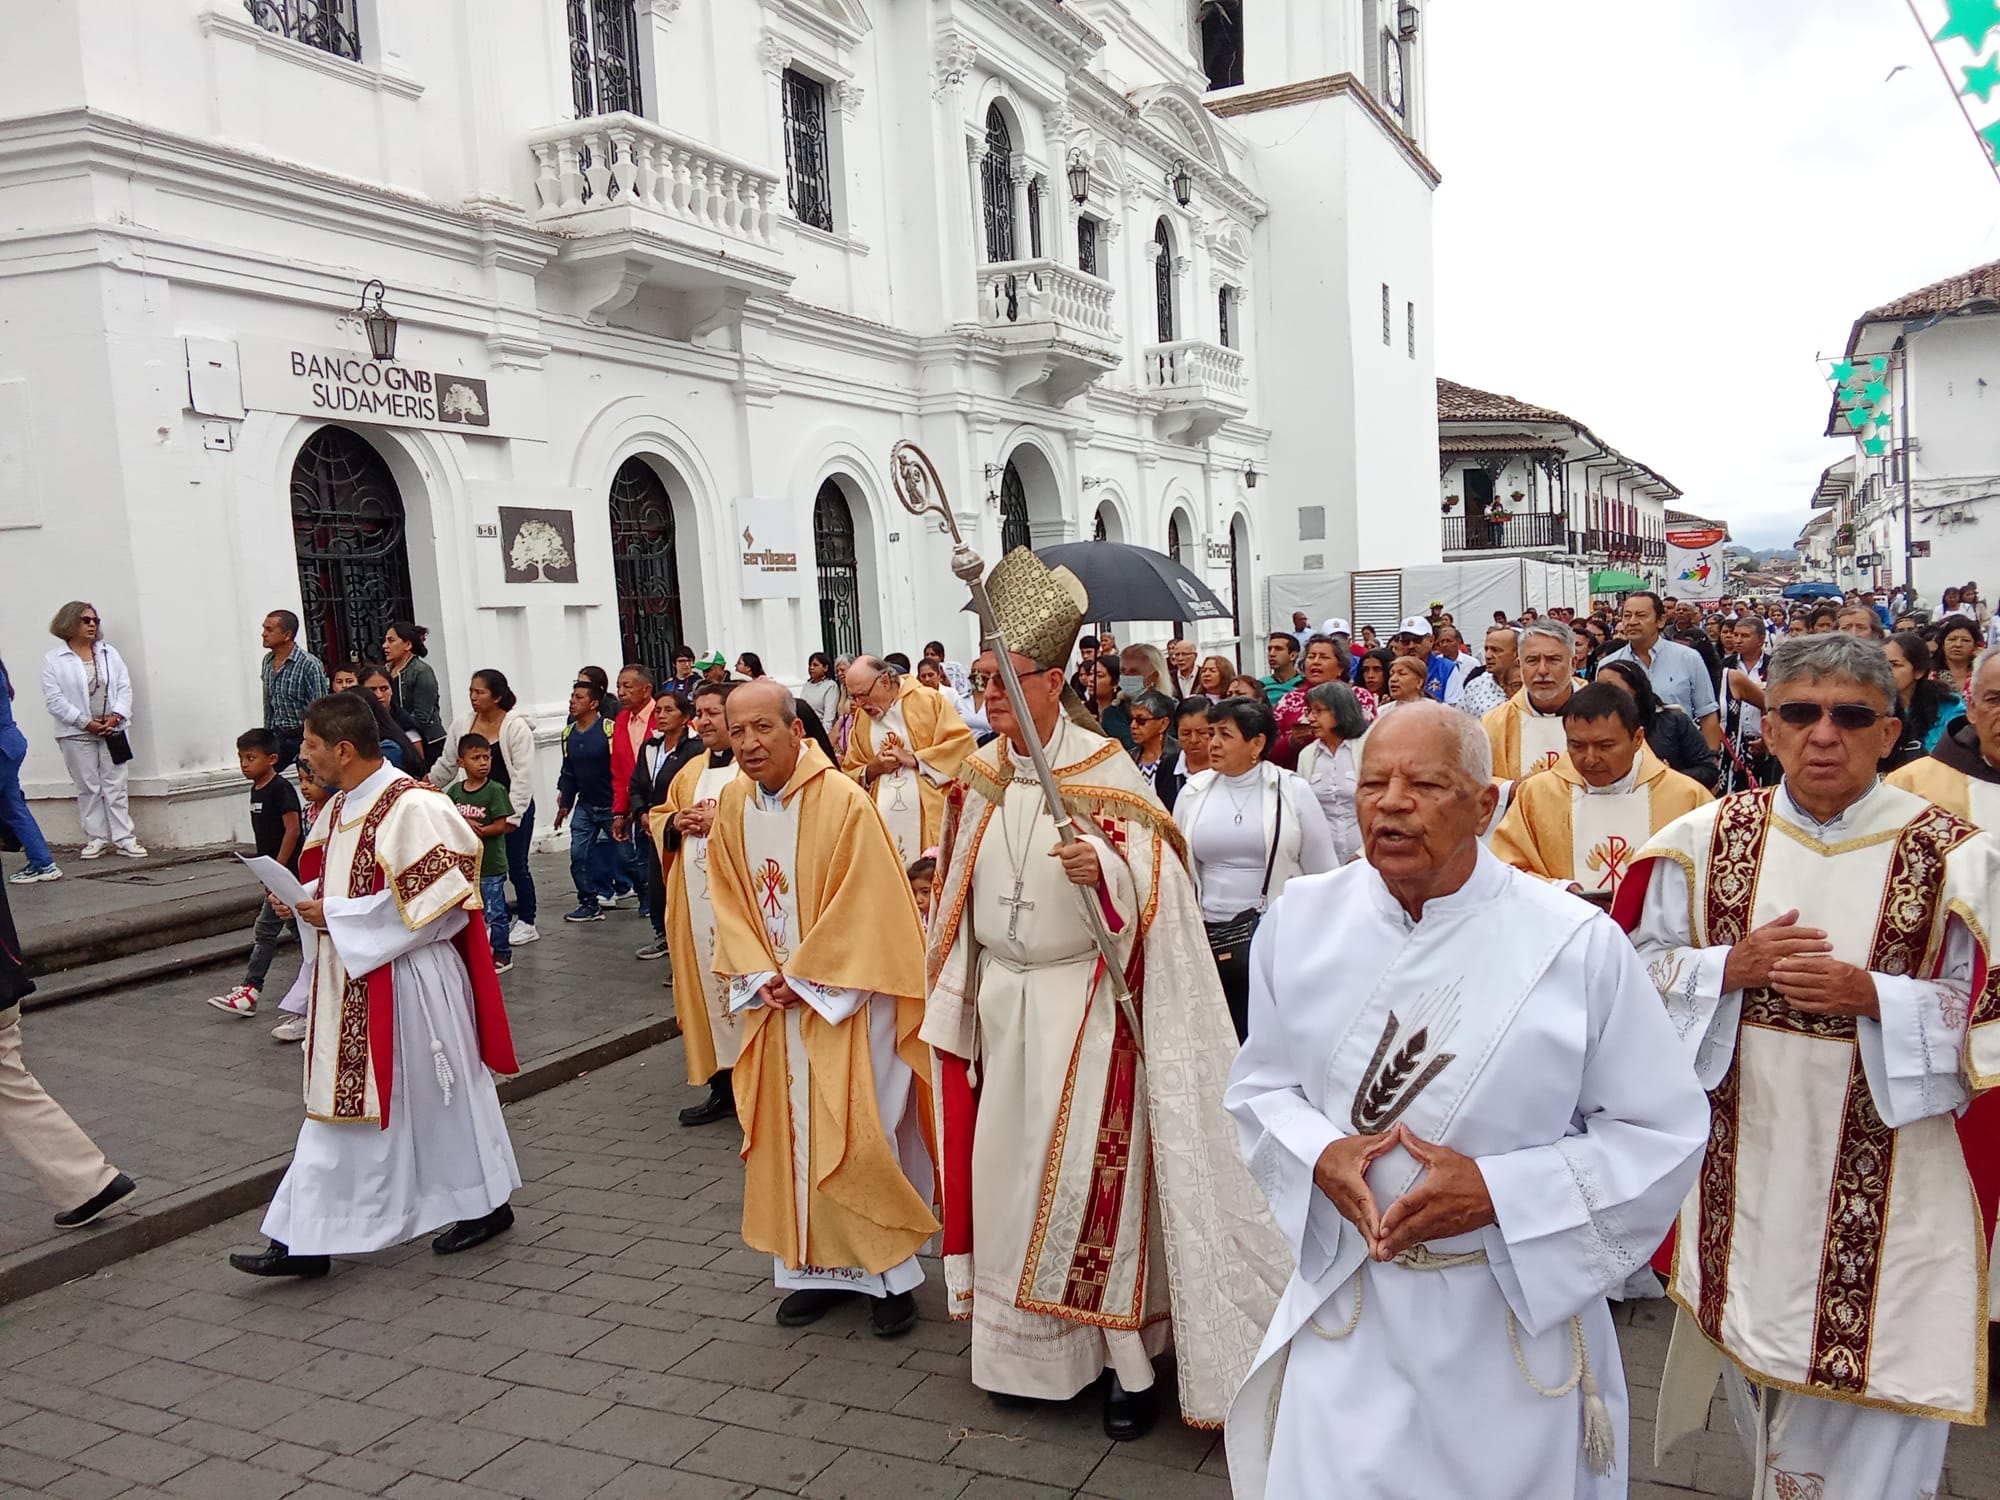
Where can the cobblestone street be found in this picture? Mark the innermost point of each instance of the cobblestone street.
(618, 1345)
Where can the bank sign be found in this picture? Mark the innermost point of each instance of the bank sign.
(769, 547)
(345, 385)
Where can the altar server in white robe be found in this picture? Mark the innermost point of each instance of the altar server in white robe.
(405, 1026)
(1452, 1096)
(1821, 949)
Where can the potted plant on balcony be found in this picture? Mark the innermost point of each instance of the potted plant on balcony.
(1497, 515)
(1518, 496)
(1450, 504)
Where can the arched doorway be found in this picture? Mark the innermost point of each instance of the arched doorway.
(1177, 540)
(1014, 530)
(839, 572)
(1163, 280)
(644, 566)
(996, 185)
(348, 531)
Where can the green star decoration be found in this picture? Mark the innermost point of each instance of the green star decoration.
(1972, 20)
(1875, 393)
(1843, 372)
(1858, 419)
(1983, 79)
(1875, 447)
(1991, 135)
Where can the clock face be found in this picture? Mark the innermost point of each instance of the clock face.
(1392, 72)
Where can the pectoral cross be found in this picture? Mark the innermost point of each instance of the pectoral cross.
(1015, 907)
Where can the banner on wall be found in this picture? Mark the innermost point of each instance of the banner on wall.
(1696, 566)
(769, 547)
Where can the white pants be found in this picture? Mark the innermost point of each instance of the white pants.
(100, 789)
(1852, 1452)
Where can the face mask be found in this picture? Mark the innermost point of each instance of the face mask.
(1131, 686)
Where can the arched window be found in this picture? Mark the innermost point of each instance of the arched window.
(996, 185)
(1097, 527)
(348, 532)
(839, 572)
(1176, 543)
(1221, 24)
(643, 566)
(1013, 511)
(1163, 279)
(604, 59)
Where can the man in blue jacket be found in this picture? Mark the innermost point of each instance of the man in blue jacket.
(583, 795)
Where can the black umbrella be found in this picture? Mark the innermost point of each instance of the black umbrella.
(1135, 583)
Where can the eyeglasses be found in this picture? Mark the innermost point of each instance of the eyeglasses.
(1142, 721)
(87, 619)
(1848, 716)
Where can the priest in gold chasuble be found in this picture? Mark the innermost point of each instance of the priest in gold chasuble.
(405, 1026)
(1599, 804)
(818, 942)
(907, 745)
(1093, 1198)
(1822, 948)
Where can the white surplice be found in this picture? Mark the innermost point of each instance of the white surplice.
(770, 844)
(355, 1186)
(1412, 1381)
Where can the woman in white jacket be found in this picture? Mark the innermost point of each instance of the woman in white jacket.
(1250, 826)
(89, 694)
(492, 717)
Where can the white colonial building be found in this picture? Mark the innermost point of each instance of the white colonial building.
(1938, 392)
(668, 279)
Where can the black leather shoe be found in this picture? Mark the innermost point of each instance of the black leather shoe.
(1128, 1414)
(276, 1260)
(892, 1315)
(809, 1305)
(115, 1192)
(719, 1105)
(469, 1232)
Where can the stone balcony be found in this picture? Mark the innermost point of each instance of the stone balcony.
(1194, 387)
(1054, 323)
(647, 210)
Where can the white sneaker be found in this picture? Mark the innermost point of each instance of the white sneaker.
(241, 1001)
(291, 1029)
(133, 849)
(522, 932)
(611, 902)
(95, 849)
(33, 876)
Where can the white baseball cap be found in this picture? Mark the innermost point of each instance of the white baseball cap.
(1336, 626)
(1415, 625)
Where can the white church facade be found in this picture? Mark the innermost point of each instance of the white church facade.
(668, 279)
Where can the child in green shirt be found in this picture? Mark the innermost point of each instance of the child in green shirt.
(489, 809)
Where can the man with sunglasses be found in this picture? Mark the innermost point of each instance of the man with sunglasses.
(1820, 948)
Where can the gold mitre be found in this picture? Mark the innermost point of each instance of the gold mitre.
(1039, 608)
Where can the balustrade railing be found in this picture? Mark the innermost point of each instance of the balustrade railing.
(1193, 365)
(621, 159)
(1045, 291)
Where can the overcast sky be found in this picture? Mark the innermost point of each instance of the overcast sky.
(1653, 217)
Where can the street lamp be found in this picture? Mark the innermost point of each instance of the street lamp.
(1079, 176)
(1250, 474)
(378, 322)
(1406, 21)
(1181, 183)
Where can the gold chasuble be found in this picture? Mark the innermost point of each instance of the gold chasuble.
(1824, 1249)
(1522, 739)
(838, 916)
(710, 1035)
(912, 801)
(1558, 828)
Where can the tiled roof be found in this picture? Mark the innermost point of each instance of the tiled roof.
(1980, 284)
(1494, 442)
(1461, 403)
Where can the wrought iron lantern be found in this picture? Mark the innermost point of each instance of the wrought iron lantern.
(1250, 474)
(1079, 176)
(379, 323)
(1406, 21)
(1182, 183)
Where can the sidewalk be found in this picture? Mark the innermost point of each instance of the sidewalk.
(617, 1345)
(203, 1108)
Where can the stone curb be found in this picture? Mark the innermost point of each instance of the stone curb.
(156, 1222)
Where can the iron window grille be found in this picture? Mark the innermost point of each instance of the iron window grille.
(839, 573)
(1086, 245)
(348, 534)
(1014, 531)
(644, 569)
(1385, 315)
(1410, 318)
(1224, 330)
(1163, 281)
(996, 185)
(604, 58)
(330, 25)
(809, 182)
(1035, 217)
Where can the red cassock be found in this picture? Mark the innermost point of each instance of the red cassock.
(1978, 1127)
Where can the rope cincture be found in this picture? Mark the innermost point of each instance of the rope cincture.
(1600, 1438)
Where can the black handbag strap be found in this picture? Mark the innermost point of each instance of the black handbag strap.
(1271, 858)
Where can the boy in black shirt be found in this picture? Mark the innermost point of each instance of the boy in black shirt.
(274, 823)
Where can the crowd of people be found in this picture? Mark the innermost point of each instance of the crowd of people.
(1281, 1027)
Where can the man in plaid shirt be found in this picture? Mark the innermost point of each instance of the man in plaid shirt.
(292, 679)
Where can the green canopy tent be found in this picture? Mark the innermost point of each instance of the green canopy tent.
(1615, 581)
